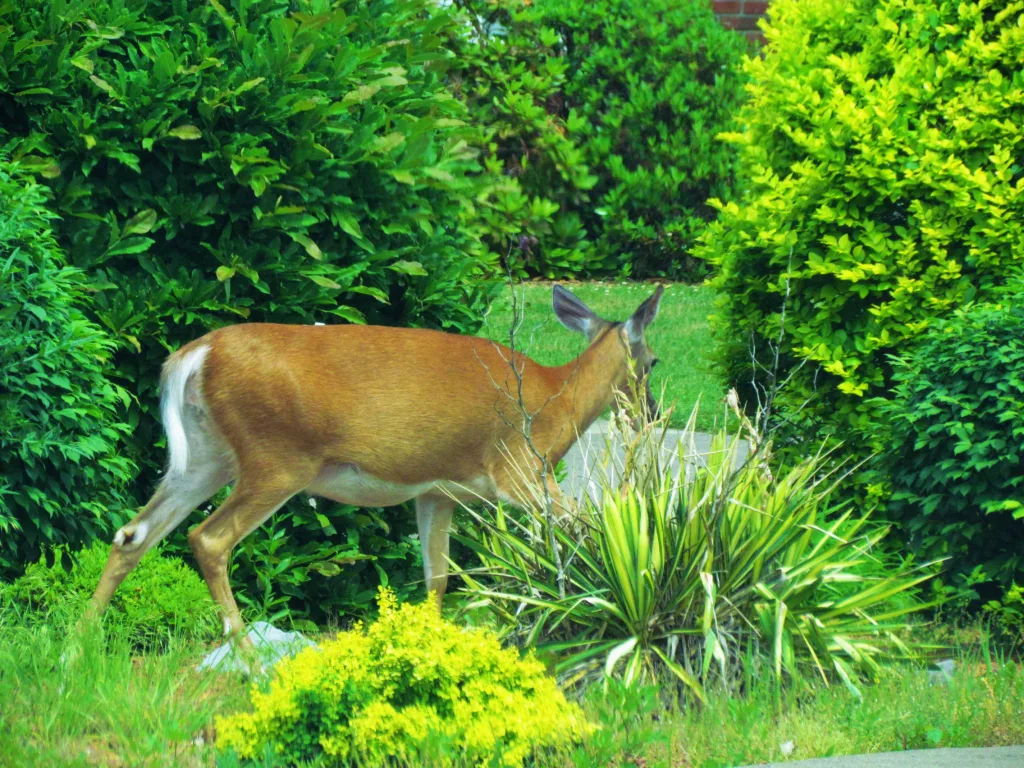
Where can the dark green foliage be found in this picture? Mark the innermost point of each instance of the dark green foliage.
(880, 148)
(956, 455)
(162, 596)
(61, 479)
(303, 565)
(602, 116)
(262, 160)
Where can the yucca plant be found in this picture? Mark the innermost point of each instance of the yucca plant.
(701, 571)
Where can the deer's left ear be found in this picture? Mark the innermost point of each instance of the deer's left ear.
(644, 316)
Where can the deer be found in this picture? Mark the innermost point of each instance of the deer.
(370, 416)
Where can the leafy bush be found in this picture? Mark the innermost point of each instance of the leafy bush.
(289, 571)
(713, 578)
(602, 116)
(161, 597)
(1006, 615)
(60, 416)
(409, 678)
(880, 150)
(956, 456)
(270, 161)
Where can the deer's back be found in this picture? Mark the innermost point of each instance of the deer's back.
(398, 402)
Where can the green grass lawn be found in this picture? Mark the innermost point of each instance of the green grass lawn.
(111, 706)
(680, 337)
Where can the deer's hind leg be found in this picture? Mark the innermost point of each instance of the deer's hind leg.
(209, 470)
(257, 496)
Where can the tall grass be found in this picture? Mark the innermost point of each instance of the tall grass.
(104, 704)
(979, 707)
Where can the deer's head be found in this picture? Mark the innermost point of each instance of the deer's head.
(630, 335)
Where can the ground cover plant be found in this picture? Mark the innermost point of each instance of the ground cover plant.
(879, 145)
(600, 120)
(160, 599)
(681, 337)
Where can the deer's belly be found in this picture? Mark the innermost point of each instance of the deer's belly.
(348, 484)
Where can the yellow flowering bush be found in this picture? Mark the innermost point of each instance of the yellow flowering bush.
(409, 679)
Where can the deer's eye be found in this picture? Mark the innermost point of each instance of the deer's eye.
(654, 362)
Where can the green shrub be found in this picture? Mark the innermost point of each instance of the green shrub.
(60, 415)
(259, 160)
(956, 453)
(1006, 616)
(602, 116)
(407, 684)
(710, 580)
(161, 597)
(880, 148)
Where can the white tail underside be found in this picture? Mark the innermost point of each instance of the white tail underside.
(172, 403)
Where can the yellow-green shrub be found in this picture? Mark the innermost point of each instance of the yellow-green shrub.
(407, 679)
(881, 150)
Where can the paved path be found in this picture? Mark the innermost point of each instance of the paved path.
(585, 461)
(994, 757)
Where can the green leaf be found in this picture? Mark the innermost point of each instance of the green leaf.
(225, 273)
(102, 84)
(351, 314)
(349, 224)
(140, 223)
(324, 282)
(130, 245)
(359, 95)
(248, 85)
(408, 268)
(685, 677)
(367, 290)
(83, 63)
(390, 81)
(311, 248)
(185, 132)
(387, 143)
(404, 177)
(327, 569)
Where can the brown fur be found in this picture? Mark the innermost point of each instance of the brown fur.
(405, 405)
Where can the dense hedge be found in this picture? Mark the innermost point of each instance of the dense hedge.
(602, 115)
(881, 149)
(264, 160)
(956, 455)
(60, 415)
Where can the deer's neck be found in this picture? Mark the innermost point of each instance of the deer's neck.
(590, 381)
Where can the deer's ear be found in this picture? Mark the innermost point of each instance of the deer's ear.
(573, 313)
(644, 315)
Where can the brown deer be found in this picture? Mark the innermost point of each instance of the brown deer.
(370, 416)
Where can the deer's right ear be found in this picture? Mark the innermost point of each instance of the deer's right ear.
(573, 313)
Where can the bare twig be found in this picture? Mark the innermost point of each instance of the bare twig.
(767, 388)
(525, 417)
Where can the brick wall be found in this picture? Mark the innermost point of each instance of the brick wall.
(741, 15)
